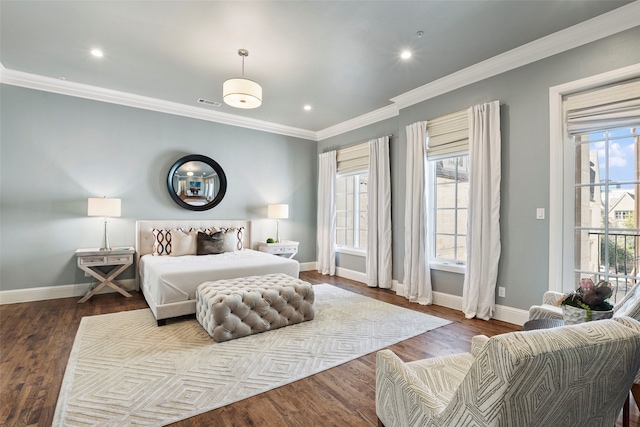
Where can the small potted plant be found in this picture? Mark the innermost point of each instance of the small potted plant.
(588, 302)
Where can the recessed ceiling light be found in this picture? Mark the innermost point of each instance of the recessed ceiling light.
(307, 107)
(405, 54)
(97, 53)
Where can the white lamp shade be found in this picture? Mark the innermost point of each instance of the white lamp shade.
(242, 93)
(278, 211)
(104, 207)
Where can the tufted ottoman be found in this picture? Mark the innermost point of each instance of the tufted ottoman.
(235, 308)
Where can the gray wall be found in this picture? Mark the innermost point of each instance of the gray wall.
(56, 151)
(524, 100)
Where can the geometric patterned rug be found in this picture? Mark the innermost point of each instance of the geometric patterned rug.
(125, 371)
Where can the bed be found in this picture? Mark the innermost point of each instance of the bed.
(169, 283)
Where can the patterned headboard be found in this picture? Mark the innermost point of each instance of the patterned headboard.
(144, 236)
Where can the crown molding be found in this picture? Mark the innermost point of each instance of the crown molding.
(360, 121)
(602, 26)
(65, 87)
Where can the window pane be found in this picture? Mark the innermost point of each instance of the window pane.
(350, 203)
(350, 220)
(463, 194)
(341, 237)
(341, 219)
(462, 221)
(445, 246)
(350, 184)
(446, 195)
(445, 221)
(341, 202)
(363, 239)
(363, 202)
(364, 179)
(462, 249)
(606, 234)
(341, 184)
(363, 221)
(350, 239)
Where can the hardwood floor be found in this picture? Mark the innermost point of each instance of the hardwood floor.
(36, 340)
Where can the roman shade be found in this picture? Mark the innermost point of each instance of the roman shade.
(610, 107)
(448, 134)
(353, 159)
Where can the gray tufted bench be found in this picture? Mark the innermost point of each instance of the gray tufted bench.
(235, 308)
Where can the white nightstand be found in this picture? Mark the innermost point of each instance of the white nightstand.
(286, 248)
(90, 259)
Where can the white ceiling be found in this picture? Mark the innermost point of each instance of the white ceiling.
(340, 57)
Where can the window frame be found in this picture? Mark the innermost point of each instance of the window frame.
(352, 250)
(431, 181)
(561, 169)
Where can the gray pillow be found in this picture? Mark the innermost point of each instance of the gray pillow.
(210, 244)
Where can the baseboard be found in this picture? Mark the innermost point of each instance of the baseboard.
(351, 274)
(14, 296)
(503, 313)
(308, 266)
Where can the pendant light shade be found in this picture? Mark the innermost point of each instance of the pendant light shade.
(240, 92)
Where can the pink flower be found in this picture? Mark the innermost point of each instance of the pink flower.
(586, 284)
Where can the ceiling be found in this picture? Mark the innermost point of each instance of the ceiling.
(340, 57)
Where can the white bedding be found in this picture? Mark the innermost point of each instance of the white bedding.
(168, 279)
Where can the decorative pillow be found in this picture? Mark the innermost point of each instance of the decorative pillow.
(161, 242)
(233, 238)
(208, 231)
(210, 244)
(183, 243)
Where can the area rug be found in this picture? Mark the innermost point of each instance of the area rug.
(124, 370)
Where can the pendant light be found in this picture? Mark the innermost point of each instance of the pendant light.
(240, 92)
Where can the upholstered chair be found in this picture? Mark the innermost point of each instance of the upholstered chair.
(628, 306)
(577, 375)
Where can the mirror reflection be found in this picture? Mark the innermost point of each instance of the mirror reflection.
(197, 182)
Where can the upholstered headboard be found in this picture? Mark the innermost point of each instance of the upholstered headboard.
(144, 236)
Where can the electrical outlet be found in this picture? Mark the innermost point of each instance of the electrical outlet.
(501, 291)
(540, 213)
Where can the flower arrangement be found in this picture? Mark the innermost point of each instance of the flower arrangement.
(589, 297)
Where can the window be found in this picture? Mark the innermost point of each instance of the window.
(594, 155)
(351, 210)
(450, 196)
(606, 232)
(448, 182)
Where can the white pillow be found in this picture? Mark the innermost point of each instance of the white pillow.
(230, 240)
(183, 243)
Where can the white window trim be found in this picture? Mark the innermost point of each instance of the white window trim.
(435, 263)
(558, 151)
(351, 251)
(356, 219)
(447, 266)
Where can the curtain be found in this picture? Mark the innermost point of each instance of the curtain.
(379, 215)
(327, 213)
(483, 225)
(417, 274)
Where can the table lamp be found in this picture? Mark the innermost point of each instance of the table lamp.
(106, 208)
(278, 212)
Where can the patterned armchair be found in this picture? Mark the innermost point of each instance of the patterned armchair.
(628, 306)
(577, 375)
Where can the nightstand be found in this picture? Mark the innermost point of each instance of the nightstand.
(89, 261)
(285, 248)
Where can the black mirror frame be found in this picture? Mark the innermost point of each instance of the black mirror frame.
(197, 158)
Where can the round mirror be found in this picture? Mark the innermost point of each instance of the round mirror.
(196, 182)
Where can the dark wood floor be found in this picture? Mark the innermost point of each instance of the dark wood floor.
(36, 339)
